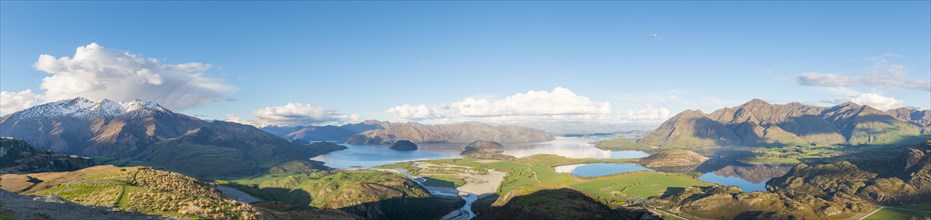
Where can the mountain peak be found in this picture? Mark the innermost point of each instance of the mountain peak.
(756, 102)
(80, 107)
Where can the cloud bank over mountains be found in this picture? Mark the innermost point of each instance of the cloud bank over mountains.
(295, 114)
(558, 105)
(96, 72)
(882, 75)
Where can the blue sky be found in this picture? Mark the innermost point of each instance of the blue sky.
(344, 61)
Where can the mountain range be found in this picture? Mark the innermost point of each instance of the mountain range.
(758, 123)
(146, 131)
(384, 132)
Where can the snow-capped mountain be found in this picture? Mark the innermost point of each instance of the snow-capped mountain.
(146, 131)
(84, 108)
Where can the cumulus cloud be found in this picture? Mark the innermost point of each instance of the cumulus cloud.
(95, 72)
(559, 102)
(648, 114)
(881, 75)
(294, 114)
(877, 101)
(414, 112)
(14, 101)
(559, 105)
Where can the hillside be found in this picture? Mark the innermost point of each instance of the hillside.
(449, 133)
(369, 194)
(139, 188)
(17, 156)
(669, 160)
(549, 201)
(13, 206)
(823, 191)
(758, 123)
(148, 132)
(487, 150)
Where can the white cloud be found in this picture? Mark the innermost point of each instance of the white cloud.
(95, 72)
(881, 75)
(877, 101)
(560, 105)
(825, 79)
(414, 112)
(293, 114)
(648, 114)
(559, 102)
(14, 101)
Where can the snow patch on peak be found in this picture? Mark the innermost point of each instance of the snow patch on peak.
(83, 108)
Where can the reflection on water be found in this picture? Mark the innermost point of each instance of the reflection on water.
(750, 178)
(724, 167)
(572, 147)
(374, 155)
(599, 169)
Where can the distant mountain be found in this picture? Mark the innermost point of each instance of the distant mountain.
(146, 131)
(324, 133)
(758, 123)
(465, 132)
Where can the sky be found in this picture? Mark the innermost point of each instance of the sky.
(609, 64)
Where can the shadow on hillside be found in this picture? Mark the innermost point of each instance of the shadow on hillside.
(406, 208)
(807, 125)
(562, 203)
(396, 208)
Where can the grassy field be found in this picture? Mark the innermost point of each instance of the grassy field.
(919, 211)
(612, 190)
(444, 181)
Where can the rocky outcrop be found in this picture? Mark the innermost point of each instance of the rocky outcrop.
(482, 149)
(758, 123)
(149, 132)
(404, 145)
(721, 202)
(449, 133)
(17, 156)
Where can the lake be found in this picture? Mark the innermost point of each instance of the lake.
(749, 178)
(375, 155)
(599, 169)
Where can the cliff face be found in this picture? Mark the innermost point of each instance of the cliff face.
(450, 133)
(757, 123)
